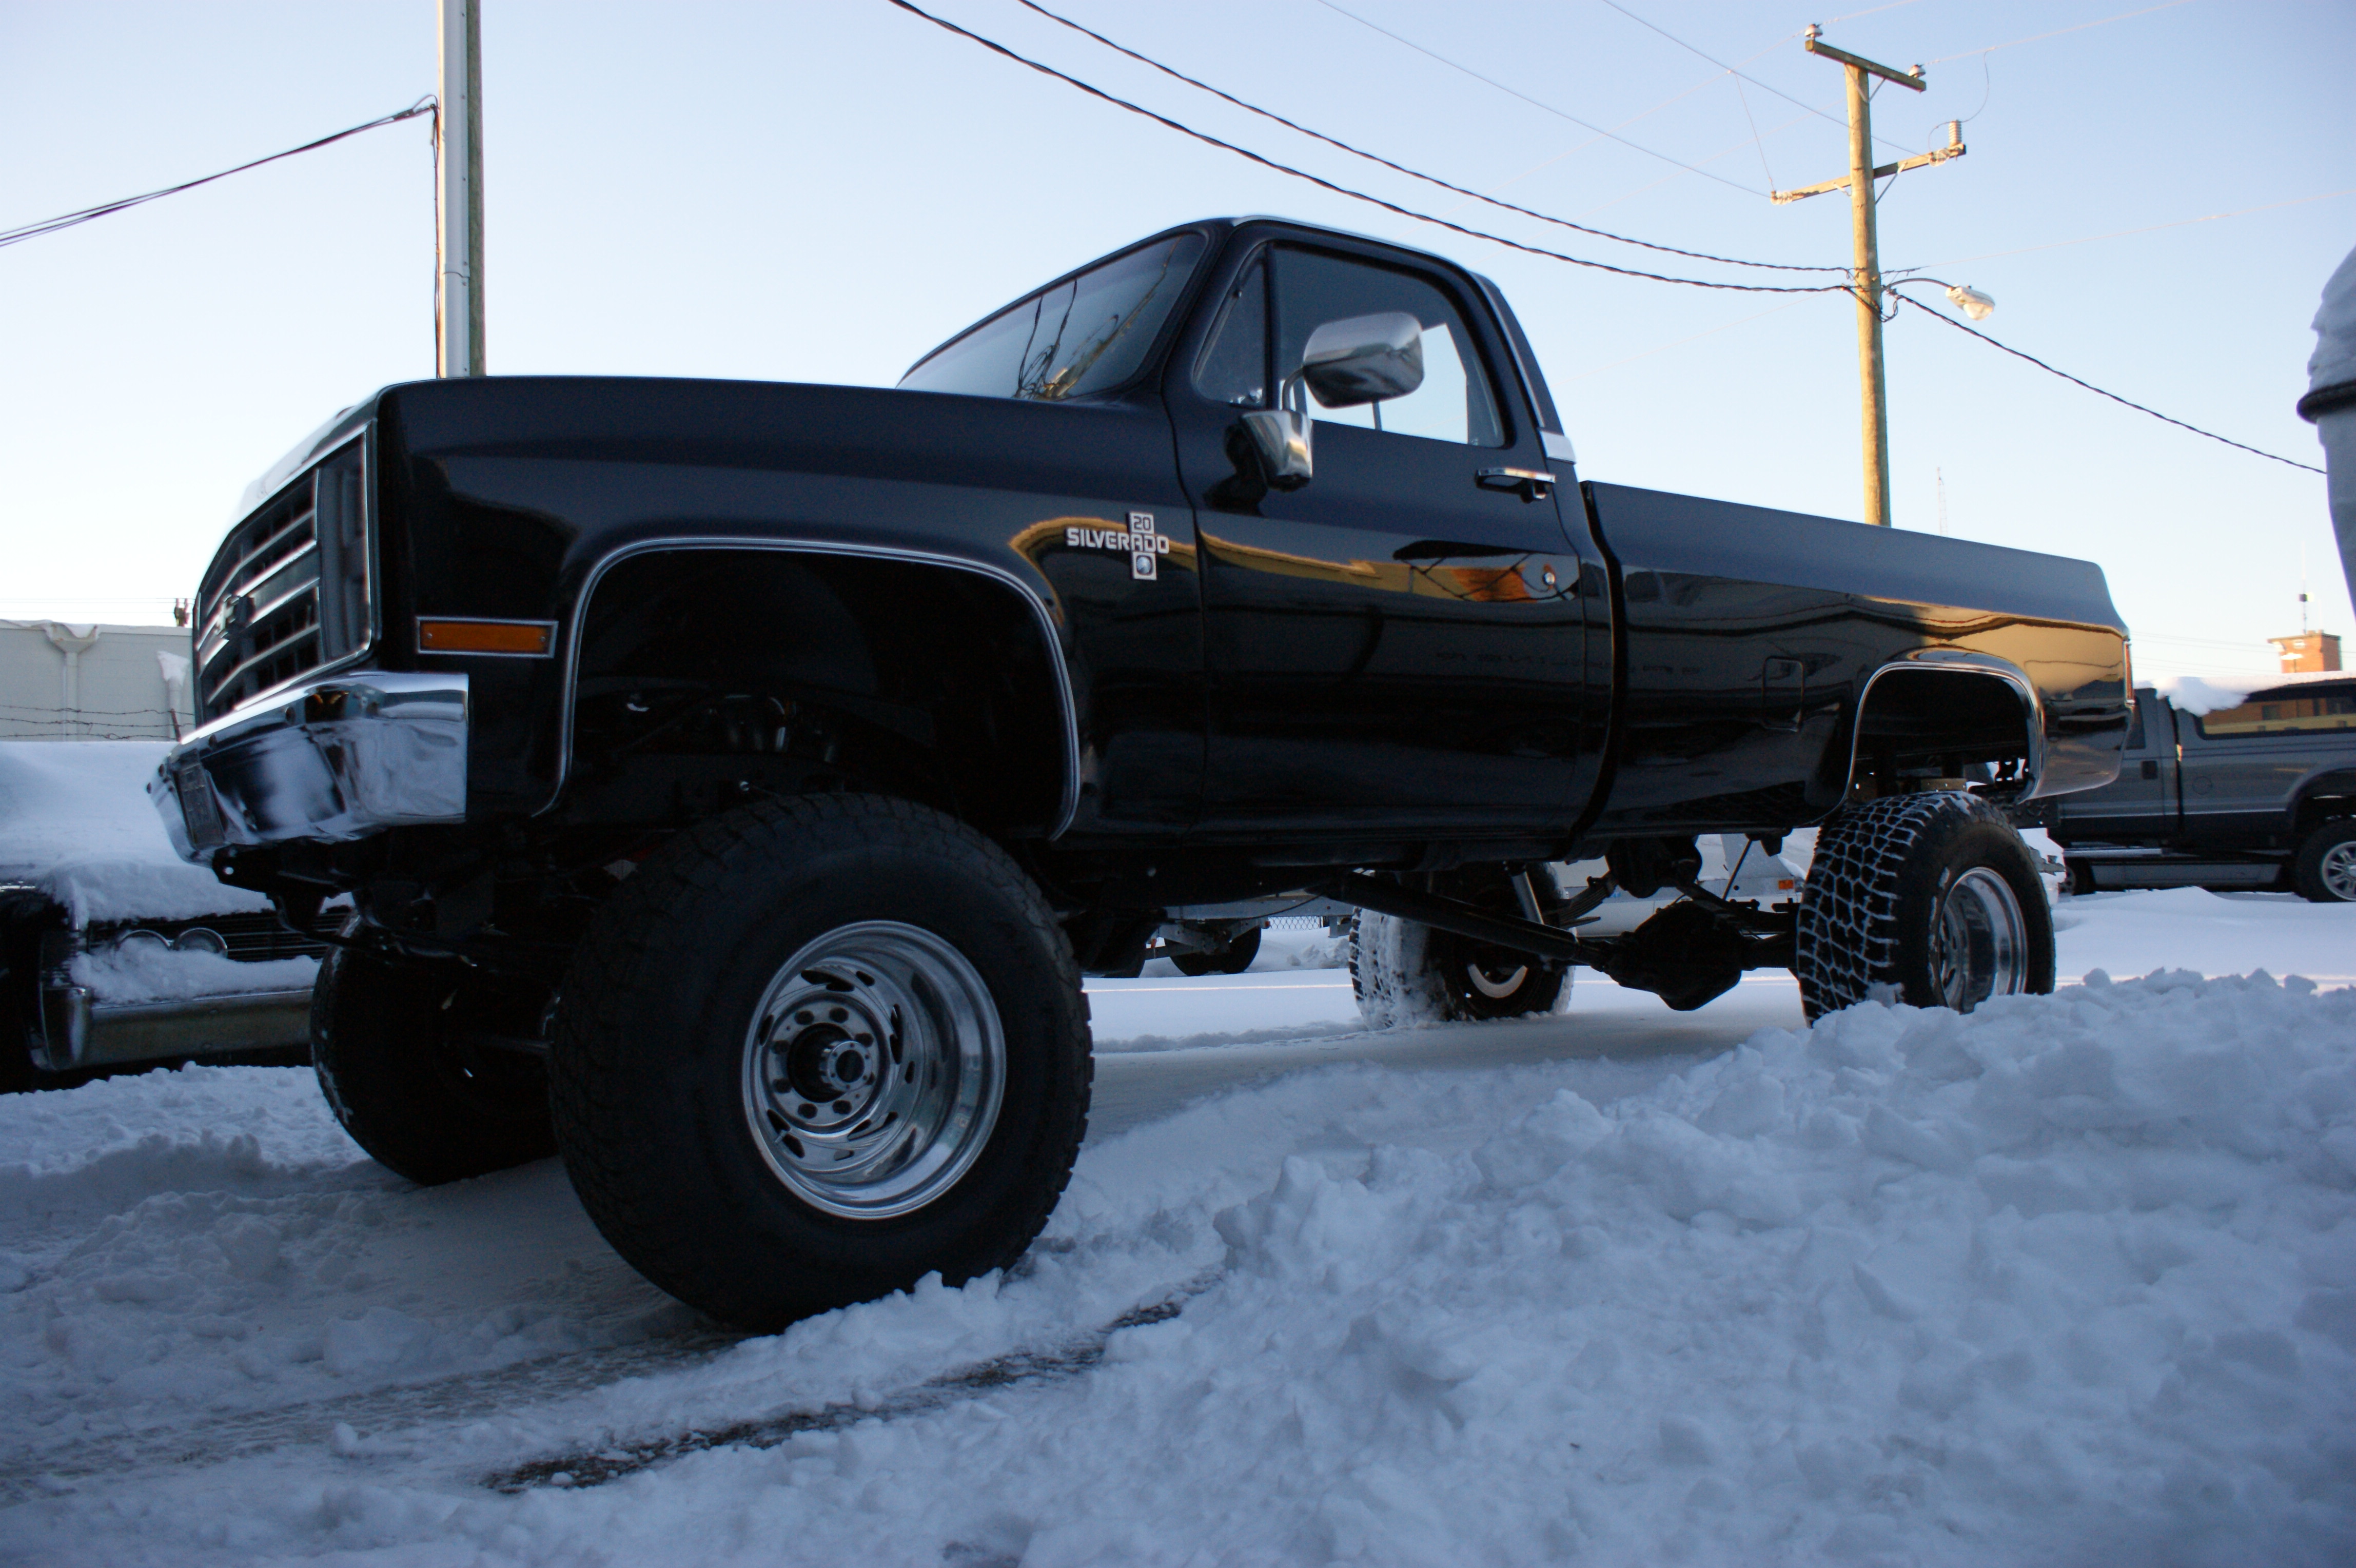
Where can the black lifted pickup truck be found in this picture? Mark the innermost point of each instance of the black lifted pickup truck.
(731, 781)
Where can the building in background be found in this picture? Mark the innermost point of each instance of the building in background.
(2309, 653)
(63, 681)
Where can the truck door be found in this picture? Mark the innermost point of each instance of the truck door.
(2243, 765)
(2141, 802)
(1401, 642)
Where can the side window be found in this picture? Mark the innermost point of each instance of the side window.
(1456, 401)
(1234, 366)
(1085, 335)
(2136, 731)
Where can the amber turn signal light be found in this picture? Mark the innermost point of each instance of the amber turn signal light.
(528, 637)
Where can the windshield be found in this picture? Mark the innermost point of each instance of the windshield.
(1085, 335)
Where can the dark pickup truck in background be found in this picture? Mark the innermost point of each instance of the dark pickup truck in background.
(2255, 796)
(733, 779)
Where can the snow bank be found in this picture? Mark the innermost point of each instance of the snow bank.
(75, 820)
(2073, 1279)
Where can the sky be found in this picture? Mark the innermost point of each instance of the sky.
(822, 190)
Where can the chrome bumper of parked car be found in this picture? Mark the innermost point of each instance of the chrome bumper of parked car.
(77, 1030)
(332, 759)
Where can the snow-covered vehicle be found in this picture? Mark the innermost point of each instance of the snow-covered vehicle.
(750, 771)
(113, 951)
(2240, 796)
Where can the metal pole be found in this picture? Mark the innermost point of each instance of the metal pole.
(458, 146)
(1867, 281)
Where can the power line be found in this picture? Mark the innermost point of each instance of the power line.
(1951, 321)
(1740, 76)
(1402, 168)
(1338, 189)
(424, 105)
(2041, 37)
(2146, 228)
(1535, 104)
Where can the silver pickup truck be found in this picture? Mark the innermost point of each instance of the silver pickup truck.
(2255, 796)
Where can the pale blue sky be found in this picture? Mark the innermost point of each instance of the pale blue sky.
(821, 190)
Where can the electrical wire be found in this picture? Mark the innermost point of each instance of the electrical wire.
(2041, 37)
(1740, 76)
(1647, 113)
(1402, 168)
(425, 105)
(2126, 234)
(1338, 189)
(1945, 319)
(1535, 104)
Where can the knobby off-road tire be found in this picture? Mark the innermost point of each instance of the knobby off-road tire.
(1405, 972)
(1933, 896)
(2324, 870)
(422, 1105)
(816, 1049)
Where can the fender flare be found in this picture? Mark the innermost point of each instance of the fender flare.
(1042, 615)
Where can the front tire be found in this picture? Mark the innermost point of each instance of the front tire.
(816, 1049)
(2324, 870)
(1932, 895)
(421, 1102)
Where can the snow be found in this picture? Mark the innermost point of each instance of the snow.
(75, 821)
(2070, 1280)
(2192, 695)
(153, 973)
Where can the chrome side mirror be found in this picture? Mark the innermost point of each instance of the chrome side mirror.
(1365, 358)
(1360, 359)
(1280, 438)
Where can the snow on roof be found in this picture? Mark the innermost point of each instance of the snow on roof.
(2193, 695)
(75, 821)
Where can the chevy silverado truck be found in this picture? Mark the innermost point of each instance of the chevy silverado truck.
(733, 780)
(2257, 796)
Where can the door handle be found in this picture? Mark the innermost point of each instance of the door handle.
(1535, 484)
(2151, 768)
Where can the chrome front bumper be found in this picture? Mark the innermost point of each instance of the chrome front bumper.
(333, 759)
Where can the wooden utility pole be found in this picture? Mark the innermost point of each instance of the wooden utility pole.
(458, 158)
(1864, 280)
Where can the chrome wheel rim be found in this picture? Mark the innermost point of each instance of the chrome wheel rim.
(2338, 871)
(1496, 982)
(1980, 943)
(873, 1070)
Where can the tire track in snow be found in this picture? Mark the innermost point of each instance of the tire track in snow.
(459, 1397)
(1074, 1357)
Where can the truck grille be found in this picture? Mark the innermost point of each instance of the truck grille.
(246, 937)
(288, 591)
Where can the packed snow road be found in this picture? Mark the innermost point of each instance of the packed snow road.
(2071, 1279)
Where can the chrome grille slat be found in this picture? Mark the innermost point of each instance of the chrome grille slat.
(288, 592)
(252, 938)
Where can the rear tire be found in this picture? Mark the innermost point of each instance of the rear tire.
(422, 1105)
(1933, 896)
(2324, 870)
(1404, 972)
(816, 1049)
